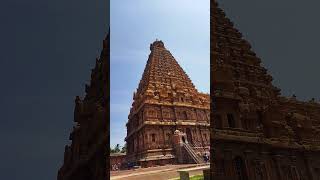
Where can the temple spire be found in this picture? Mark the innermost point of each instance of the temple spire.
(165, 99)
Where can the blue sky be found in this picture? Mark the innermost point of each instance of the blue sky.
(183, 26)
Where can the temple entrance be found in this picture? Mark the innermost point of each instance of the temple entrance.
(183, 139)
(189, 136)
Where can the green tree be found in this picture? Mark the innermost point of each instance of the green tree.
(124, 149)
(117, 148)
(111, 150)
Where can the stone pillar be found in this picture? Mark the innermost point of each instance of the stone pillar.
(134, 143)
(238, 120)
(138, 142)
(293, 169)
(277, 159)
(163, 138)
(308, 164)
(269, 173)
(143, 141)
(175, 114)
(193, 136)
(148, 140)
(247, 156)
(199, 136)
(177, 142)
(224, 120)
(202, 141)
(158, 138)
(229, 168)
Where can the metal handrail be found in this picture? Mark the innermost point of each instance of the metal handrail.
(193, 154)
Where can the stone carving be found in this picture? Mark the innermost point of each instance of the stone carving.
(261, 119)
(167, 113)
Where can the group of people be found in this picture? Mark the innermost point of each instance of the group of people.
(206, 157)
(115, 167)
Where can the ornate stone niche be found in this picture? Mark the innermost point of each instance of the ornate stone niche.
(152, 112)
(168, 138)
(191, 114)
(217, 119)
(200, 115)
(260, 171)
(231, 121)
(206, 137)
(182, 115)
(208, 115)
(167, 113)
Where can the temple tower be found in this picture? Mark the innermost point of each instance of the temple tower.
(165, 101)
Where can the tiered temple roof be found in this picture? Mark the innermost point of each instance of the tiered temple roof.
(165, 101)
(165, 82)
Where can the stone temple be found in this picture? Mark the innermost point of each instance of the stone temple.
(169, 119)
(85, 158)
(256, 133)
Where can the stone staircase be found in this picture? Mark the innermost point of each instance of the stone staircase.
(195, 157)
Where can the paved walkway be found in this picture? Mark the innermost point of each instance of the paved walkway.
(154, 173)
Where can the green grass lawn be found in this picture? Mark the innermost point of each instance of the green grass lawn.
(196, 177)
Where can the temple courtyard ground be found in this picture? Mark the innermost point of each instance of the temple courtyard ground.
(154, 173)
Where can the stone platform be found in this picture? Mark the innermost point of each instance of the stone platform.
(154, 173)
